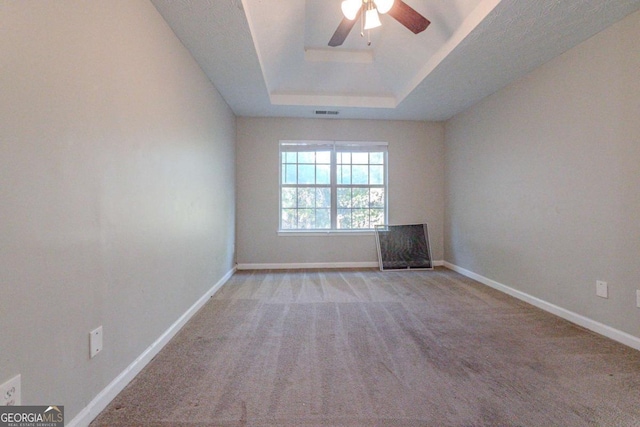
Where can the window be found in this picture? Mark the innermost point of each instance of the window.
(327, 185)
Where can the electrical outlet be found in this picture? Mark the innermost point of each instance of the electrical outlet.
(10, 392)
(602, 289)
(95, 341)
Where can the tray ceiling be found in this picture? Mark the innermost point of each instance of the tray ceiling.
(270, 57)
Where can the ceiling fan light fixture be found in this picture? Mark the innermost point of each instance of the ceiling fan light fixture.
(371, 19)
(367, 11)
(350, 8)
(384, 6)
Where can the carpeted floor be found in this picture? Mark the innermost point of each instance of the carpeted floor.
(371, 348)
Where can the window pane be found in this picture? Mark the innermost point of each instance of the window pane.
(377, 217)
(306, 218)
(360, 198)
(289, 220)
(323, 157)
(376, 198)
(306, 174)
(360, 158)
(344, 197)
(289, 175)
(306, 197)
(360, 175)
(376, 175)
(360, 218)
(323, 198)
(344, 174)
(344, 158)
(289, 198)
(344, 218)
(323, 174)
(307, 157)
(376, 158)
(291, 157)
(323, 218)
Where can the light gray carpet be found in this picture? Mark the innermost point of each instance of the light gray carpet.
(371, 348)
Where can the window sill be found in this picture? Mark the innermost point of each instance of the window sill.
(324, 233)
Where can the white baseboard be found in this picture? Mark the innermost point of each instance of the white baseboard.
(303, 265)
(100, 402)
(578, 319)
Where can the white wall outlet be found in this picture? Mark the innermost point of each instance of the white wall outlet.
(638, 298)
(10, 392)
(95, 341)
(602, 289)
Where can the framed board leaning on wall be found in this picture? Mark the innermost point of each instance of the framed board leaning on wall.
(403, 247)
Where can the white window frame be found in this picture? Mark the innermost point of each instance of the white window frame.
(334, 147)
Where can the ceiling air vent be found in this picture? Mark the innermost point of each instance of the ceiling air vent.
(326, 113)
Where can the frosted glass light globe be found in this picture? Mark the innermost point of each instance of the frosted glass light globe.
(350, 8)
(384, 6)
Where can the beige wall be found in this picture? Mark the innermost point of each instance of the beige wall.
(116, 190)
(415, 187)
(542, 181)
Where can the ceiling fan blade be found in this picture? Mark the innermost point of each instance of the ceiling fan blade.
(407, 16)
(343, 30)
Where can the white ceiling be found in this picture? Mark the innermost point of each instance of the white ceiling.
(270, 57)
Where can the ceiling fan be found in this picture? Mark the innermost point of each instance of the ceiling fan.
(354, 9)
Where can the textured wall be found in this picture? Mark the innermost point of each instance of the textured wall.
(415, 187)
(116, 190)
(542, 180)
